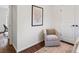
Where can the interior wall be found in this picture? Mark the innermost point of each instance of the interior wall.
(10, 24)
(3, 17)
(27, 35)
(13, 25)
(57, 16)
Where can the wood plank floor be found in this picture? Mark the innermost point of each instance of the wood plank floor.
(4, 45)
(7, 49)
(63, 48)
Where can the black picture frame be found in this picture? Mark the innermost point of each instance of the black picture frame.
(40, 8)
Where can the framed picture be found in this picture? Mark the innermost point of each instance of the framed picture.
(37, 16)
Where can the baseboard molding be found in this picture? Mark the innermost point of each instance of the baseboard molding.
(67, 43)
(33, 48)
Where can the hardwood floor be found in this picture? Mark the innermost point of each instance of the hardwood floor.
(63, 48)
(4, 45)
(7, 49)
(34, 48)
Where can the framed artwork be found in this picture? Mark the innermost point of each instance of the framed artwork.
(37, 16)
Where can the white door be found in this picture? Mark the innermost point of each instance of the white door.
(76, 20)
(67, 20)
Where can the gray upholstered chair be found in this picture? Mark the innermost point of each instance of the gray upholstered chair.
(51, 37)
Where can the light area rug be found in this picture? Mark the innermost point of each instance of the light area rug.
(63, 48)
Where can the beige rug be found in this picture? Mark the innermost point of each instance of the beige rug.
(63, 48)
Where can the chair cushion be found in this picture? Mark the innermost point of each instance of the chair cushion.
(51, 37)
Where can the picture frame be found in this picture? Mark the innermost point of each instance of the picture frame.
(37, 16)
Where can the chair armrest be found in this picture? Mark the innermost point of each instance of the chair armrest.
(57, 33)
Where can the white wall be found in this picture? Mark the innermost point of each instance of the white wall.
(27, 35)
(10, 24)
(3, 16)
(13, 25)
(57, 17)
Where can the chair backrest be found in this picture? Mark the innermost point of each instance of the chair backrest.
(51, 31)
